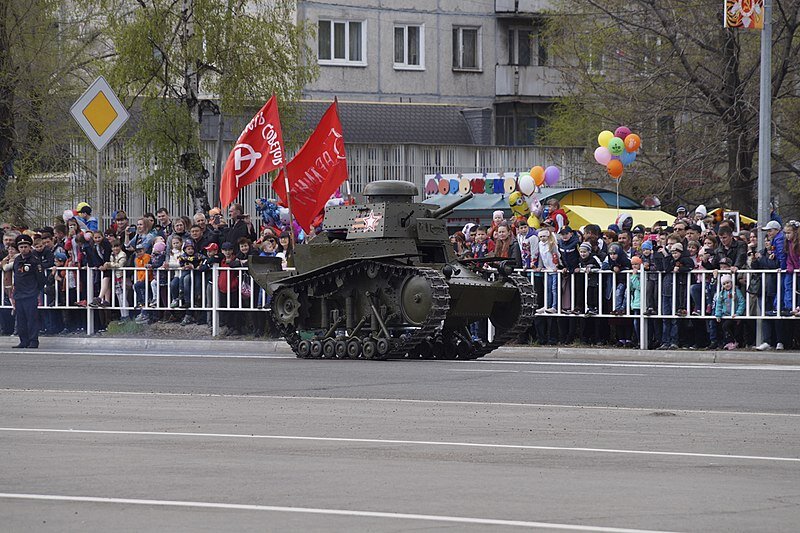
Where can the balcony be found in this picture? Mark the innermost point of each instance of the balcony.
(523, 6)
(512, 80)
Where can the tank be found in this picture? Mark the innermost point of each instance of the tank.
(382, 281)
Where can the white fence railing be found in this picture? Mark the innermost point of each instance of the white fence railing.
(764, 294)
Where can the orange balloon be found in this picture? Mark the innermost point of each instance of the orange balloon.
(537, 173)
(615, 168)
(632, 142)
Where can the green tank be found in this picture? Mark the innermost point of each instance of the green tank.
(382, 281)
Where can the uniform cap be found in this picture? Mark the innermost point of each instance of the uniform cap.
(23, 238)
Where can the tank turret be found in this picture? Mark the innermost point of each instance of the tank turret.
(383, 280)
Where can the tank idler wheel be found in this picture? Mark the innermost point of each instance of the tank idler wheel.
(329, 348)
(383, 346)
(369, 348)
(340, 348)
(316, 349)
(353, 348)
(304, 349)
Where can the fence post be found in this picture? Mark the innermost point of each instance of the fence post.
(215, 300)
(89, 308)
(643, 336)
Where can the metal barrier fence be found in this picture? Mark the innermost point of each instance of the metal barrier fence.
(766, 294)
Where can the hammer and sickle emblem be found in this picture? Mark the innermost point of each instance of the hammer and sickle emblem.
(251, 157)
(338, 139)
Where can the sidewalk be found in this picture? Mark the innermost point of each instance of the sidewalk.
(120, 345)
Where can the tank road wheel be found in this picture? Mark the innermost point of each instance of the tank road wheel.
(353, 348)
(304, 349)
(329, 348)
(316, 349)
(369, 348)
(285, 306)
(382, 346)
(340, 348)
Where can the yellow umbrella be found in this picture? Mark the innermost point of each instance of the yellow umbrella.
(742, 218)
(580, 215)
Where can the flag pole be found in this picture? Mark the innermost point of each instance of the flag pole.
(288, 202)
(347, 181)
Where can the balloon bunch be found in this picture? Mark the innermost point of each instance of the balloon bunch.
(617, 150)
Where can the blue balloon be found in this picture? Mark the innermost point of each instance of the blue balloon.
(627, 158)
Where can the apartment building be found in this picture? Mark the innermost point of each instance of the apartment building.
(484, 60)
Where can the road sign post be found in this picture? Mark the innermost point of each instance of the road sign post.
(100, 115)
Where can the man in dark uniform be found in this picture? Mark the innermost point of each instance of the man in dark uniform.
(29, 280)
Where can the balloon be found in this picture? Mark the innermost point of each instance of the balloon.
(602, 155)
(627, 158)
(526, 185)
(615, 169)
(616, 146)
(68, 214)
(622, 132)
(551, 175)
(604, 137)
(632, 142)
(533, 222)
(537, 173)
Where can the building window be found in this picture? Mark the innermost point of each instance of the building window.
(409, 47)
(519, 46)
(341, 42)
(466, 48)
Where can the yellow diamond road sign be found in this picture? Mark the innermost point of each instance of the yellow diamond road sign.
(99, 113)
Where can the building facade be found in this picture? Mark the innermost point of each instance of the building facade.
(489, 58)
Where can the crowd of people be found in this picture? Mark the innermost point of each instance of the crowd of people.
(591, 281)
(154, 268)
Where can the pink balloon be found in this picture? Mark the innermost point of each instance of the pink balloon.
(551, 175)
(622, 132)
(602, 155)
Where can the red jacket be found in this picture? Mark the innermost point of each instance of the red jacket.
(228, 280)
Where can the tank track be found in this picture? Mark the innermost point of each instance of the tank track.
(407, 342)
(524, 321)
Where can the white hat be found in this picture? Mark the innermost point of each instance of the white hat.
(772, 224)
(701, 209)
(725, 278)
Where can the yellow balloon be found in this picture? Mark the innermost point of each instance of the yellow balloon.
(533, 222)
(604, 137)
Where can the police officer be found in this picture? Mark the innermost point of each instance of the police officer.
(29, 280)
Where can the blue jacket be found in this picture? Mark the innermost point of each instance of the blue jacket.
(779, 244)
(723, 303)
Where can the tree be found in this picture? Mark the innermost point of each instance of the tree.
(43, 56)
(177, 57)
(689, 86)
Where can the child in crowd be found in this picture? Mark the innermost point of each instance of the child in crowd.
(143, 276)
(589, 265)
(548, 263)
(617, 262)
(651, 278)
(121, 282)
(497, 219)
(482, 246)
(190, 280)
(528, 243)
(570, 259)
(683, 265)
(635, 288)
(728, 304)
(158, 260)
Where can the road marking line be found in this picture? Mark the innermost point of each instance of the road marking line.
(545, 372)
(311, 510)
(399, 441)
(173, 355)
(693, 366)
(402, 400)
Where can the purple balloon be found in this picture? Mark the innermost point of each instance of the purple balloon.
(551, 175)
(622, 132)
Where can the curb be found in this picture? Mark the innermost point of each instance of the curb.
(558, 353)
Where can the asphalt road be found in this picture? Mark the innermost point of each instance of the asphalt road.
(201, 442)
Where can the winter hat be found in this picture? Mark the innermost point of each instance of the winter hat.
(725, 278)
(636, 260)
(647, 245)
(701, 210)
(60, 256)
(614, 228)
(677, 246)
(615, 249)
(159, 247)
(187, 243)
(498, 212)
(625, 221)
(586, 246)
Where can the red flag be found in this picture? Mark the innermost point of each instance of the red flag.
(316, 171)
(258, 150)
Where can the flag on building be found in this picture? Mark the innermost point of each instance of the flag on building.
(258, 150)
(317, 171)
